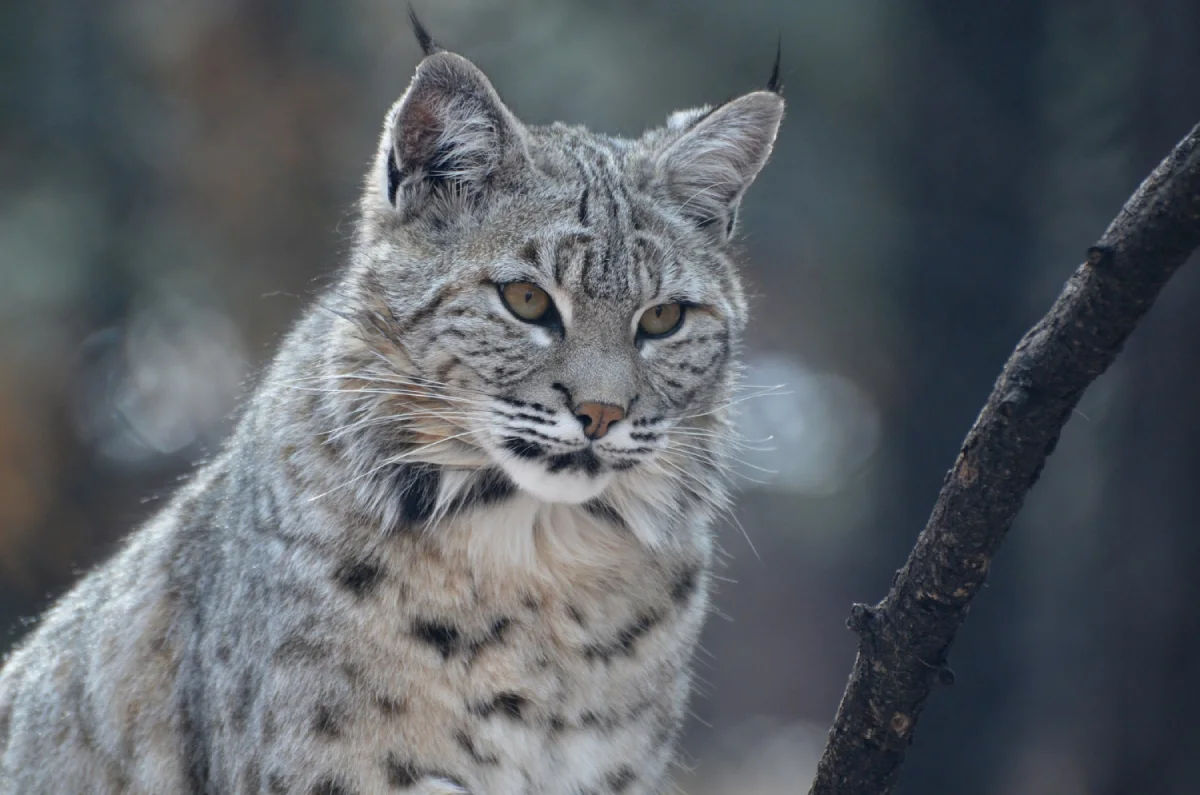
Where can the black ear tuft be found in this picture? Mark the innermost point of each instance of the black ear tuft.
(428, 45)
(773, 84)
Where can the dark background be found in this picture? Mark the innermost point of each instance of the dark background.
(176, 180)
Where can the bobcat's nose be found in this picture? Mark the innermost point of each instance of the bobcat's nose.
(597, 417)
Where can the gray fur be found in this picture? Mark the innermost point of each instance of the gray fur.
(409, 571)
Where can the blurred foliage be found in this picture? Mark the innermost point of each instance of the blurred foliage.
(176, 181)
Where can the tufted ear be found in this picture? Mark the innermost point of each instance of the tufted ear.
(710, 165)
(448, 134)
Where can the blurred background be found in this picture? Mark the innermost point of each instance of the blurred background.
(176, 182)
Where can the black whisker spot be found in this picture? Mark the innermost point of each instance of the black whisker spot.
(531, 434)
(585, 460)
(535, 419)
(523, 448)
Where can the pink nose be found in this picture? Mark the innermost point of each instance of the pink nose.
(597, 417)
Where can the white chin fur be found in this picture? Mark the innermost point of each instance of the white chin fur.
(570, 488)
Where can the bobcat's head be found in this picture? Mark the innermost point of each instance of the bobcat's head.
(543, 306)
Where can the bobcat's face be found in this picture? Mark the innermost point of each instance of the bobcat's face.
(561, 304)
(585, 320)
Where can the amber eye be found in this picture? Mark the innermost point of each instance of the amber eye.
(661, 320)
(526, 300)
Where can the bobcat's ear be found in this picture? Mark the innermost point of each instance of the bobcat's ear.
(707, 169)
(449, 132)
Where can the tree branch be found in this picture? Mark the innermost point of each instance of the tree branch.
(904, 640)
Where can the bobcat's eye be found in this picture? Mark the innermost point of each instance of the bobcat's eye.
(527, 301)
(661, 320)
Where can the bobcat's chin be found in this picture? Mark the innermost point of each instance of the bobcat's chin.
(570, 486)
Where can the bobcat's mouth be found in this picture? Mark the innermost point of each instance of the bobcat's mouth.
(583, 461)
(571, 478)
(546, 454)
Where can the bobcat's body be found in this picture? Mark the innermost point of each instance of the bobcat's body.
(411, 569)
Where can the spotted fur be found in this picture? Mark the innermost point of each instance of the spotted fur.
(410, 570)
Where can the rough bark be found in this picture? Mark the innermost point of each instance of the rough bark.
(904, 640)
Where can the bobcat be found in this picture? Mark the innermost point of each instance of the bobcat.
(459, 540)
